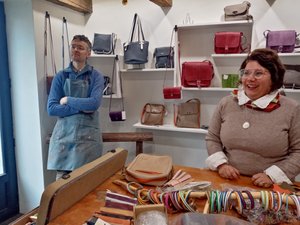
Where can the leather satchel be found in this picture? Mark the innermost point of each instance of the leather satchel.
(228, 42)
(237, 11)
(104, 43)
(197, 74)
(292, 77)
(136, 52)
(281, 40)
(150, 169)
(187, 114)
(172, 92)
(153, 114)
(164, 57)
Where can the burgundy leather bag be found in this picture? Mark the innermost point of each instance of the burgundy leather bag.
(228, 42)
(197, 74)
(172, 92)
(281, 40)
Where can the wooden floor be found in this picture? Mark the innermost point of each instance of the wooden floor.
(6, 222)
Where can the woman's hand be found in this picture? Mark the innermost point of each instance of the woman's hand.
(262, 180)
(228, 171)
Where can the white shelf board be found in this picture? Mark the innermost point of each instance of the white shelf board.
(171, 127)
(93, 55)
(207, 89)
(215, 23)
(147, 70)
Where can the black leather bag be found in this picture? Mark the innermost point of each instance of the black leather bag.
(164, 57)
(104, 43)
(292, 76)
(136, 52)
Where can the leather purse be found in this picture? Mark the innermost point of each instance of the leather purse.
(228, 42)
(187, 114)
(153, 114)
(172, 92)
(150, 169)
(292, 77)
(237, 11)
(136, 52)
(164, 57)
(197, 74)
(281, 40)
(104, 43)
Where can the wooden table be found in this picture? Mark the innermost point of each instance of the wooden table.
(84, 209)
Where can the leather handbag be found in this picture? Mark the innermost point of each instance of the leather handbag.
(197, 74)
(136, 52)
(104, 43)
(153, 114)
(150, 169)
(172, 92)
(237, 11)
(281, 40)
(164, 57)
(187, 114)
(228, 42)
(292, 77)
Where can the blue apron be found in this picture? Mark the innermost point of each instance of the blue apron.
(75, 140)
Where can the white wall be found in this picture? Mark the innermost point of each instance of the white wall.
(109, 16)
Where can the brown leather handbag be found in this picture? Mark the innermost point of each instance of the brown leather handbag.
(187, 114)
(153, 114)
(150, 169)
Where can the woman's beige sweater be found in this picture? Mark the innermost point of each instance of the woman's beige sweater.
(273, 138)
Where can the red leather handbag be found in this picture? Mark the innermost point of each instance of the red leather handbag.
(228, 42)
(172, 92)
(197, 74)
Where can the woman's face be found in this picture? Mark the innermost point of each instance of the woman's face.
(256, 80)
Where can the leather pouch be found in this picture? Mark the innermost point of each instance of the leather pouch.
(237, 11)
(172, 92)
(228, 42)
(104, 43)
(150, 169)
(117, 116)
(164, 57)
(187, 114)
(281, 41)
(197, 74)
(153, 114)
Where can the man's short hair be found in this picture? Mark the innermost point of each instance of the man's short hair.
(84, 39)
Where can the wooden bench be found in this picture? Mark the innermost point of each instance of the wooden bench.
(138, 137)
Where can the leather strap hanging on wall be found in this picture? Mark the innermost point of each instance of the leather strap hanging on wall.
(65, 31)
(116, 115)
(48, 77)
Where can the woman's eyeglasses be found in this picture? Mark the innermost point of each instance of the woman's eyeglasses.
(257, 73)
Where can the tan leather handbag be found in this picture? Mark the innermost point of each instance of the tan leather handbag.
(153, 114)
(150, 169)
(187, 114)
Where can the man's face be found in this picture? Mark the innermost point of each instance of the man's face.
(80, 51)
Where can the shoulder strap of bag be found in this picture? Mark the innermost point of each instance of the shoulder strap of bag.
(133, 27)
(48, 22)
(113, 77)
(65, 30)
(169, 55)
